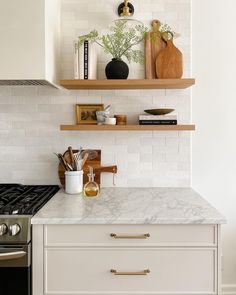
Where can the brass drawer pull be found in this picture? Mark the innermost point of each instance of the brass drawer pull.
(144, 236)
(131, 273)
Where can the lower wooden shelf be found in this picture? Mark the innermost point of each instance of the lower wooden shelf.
(127, 127)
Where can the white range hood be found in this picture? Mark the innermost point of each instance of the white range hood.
(29, 42)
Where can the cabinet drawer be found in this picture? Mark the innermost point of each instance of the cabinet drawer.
(130, 235)
(88, 271)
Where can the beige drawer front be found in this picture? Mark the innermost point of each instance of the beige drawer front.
(172, 271)
(130, 235)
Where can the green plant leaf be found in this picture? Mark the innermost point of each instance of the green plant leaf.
(120, 41)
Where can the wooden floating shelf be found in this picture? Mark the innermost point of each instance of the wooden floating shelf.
(127, 84)
(127, 127)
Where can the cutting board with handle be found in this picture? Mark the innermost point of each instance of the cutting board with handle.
(153, 45)
(169, 62)
(95, 163)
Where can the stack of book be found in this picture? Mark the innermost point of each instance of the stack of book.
(85, 60)
(157, 120)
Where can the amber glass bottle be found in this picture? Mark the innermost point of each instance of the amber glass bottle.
(91, 188)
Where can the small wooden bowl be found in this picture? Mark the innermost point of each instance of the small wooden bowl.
(159, 111)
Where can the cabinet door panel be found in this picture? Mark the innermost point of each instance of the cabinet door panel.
(172, 271)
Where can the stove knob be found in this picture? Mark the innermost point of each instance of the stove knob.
(3, 229)
(14, 229)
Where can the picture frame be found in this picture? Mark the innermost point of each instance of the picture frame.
(86, 113)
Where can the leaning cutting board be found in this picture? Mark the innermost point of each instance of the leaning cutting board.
(95, 163)
(169, 63)
(153, 45)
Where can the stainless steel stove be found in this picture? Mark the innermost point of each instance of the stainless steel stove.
(18, 203)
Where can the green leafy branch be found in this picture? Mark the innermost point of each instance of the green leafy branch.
(120, 41)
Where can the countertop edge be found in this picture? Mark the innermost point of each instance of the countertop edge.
(54, 221)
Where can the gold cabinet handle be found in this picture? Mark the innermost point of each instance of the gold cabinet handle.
(144, 236)
(131, 273)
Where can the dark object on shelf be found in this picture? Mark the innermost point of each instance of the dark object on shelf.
(159, 111)
(125, 9)
(117, 69)
(157, 122)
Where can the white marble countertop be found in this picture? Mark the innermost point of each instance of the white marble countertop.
(130, 206)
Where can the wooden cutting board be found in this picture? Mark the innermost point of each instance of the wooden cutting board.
(169, 63)
(95, 163)
(153, 46)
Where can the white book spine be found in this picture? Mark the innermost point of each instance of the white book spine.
(92, 61)
(76, 60)
(157, 117)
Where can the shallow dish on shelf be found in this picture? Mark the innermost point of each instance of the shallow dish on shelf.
(159, 111)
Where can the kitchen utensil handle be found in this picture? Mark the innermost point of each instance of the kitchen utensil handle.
(109, 169)
(72, 157)
(168, 36)
(156, 26)
(144, 236)
(130, 273)
(63, 162)
(85, 158)
(12, 255)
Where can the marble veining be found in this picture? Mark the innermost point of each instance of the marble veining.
(130, 206)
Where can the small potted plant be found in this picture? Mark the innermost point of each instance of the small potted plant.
(119, 43)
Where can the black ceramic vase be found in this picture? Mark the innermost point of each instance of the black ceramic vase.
(117, 69)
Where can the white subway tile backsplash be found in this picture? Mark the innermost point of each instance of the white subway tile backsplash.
(158, 157)
(146, 158)
(5, 91)
(30, 116)
(5, 125)
(140, 182)
(18, 108)
(24, 91)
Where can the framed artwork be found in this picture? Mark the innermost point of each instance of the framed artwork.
(86, 113)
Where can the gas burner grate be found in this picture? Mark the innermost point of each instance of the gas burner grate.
(16, 199)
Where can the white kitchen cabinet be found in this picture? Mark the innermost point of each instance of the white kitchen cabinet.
(30, 42)
(78, 259)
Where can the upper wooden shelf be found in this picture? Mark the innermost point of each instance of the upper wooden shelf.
(128, 84)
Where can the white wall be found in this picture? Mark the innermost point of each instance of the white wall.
(214, 105)
(30, 117)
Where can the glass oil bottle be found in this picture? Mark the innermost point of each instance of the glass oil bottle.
(91, 188)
